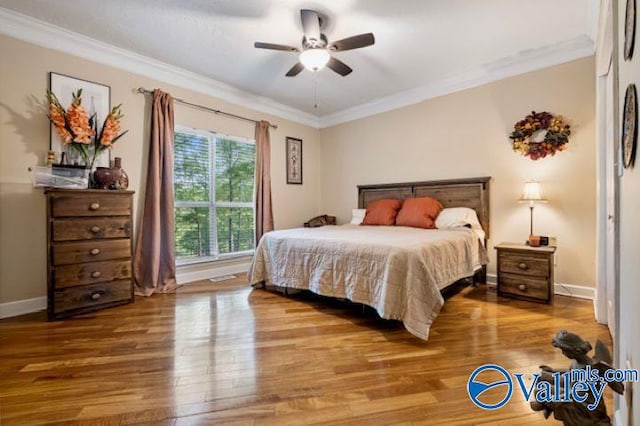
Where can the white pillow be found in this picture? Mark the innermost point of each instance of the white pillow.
(457, 217)
(357, 216)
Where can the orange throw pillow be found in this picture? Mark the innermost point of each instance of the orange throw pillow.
(382, 212)
(419, 212)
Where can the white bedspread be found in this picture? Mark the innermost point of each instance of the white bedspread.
(397, 270)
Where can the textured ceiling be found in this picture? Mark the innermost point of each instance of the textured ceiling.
(418, 42)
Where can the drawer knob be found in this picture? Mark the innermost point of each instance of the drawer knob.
(94, 252)
(522, 287)
(96, 295)
(96, 274)
(95, 229)
(523, 266)
(94, 206)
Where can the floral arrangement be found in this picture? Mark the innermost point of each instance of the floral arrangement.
(75, 127)
(555, 138)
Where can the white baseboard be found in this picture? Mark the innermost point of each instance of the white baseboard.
(21, 307)
(184, 277)
(563, 289)
(27, 306)
(577, 291)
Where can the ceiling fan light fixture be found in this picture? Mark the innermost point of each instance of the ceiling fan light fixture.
(314, 59)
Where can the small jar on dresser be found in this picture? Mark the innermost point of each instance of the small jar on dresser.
(526, 272)
(89, 250)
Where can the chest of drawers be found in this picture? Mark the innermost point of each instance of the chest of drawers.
(89, 250)
(526, 272)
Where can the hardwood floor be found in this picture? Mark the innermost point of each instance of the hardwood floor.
(225, 353)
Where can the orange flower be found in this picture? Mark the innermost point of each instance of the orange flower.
(111, 127)
(56, 115)
(79, 121)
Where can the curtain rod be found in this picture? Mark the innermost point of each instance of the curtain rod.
(215, 111)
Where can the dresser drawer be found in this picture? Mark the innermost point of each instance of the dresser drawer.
(90, 251)
(91, 296)
(518, 285)
(90, 204)
(89, 273)
(90, 228)
(529, 264)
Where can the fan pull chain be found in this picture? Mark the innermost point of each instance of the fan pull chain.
(315, 92)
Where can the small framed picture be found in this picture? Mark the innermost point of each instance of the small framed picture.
(294, 161)
(96, 99)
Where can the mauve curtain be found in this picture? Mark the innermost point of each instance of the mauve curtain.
(264, 213)
(154, 261)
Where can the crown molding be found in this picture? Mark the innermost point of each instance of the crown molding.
(43, 34)
(522, 63)
(35, 31)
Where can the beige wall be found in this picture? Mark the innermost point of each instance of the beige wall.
(628, 317)
(465, 135)
(460, 135)
(24, 141)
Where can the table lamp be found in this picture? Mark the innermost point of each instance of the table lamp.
(532, 194)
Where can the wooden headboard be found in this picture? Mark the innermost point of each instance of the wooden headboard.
(468, 192)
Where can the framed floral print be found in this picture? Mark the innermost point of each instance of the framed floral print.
(96, 99)
(294, 161)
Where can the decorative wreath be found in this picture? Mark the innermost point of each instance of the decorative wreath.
(555, 138)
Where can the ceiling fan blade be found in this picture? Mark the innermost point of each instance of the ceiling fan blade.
(339, 66)
(295, 70)
(355, 42)
(310, 25)
(261, 45)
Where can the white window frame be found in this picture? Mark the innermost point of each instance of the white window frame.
(212, 204)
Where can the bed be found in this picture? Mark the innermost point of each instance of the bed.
(398, 271)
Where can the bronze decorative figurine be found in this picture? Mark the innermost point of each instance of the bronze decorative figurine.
(572, 412)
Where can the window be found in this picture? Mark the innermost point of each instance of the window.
(213, 183)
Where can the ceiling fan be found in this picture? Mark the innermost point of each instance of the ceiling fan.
(316, 50)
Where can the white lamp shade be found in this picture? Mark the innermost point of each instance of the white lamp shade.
(314, 59)
(532, 193)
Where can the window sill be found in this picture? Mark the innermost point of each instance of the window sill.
(214, 259)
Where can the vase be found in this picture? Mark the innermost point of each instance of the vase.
(120, 178)
(111, 178)
(102, 178)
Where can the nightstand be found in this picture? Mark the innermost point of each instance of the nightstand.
(525, 272)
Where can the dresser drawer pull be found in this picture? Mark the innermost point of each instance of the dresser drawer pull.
(95, 229)
(523, 266)
(94, 252)
(94, 206)
(522, 287)
(96, 295)
(96, 274)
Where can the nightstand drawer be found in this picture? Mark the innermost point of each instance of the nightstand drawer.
(91, 272)
(90, 204)
(518, 285)
(91, 228)
(89, 297)
(525, 264)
